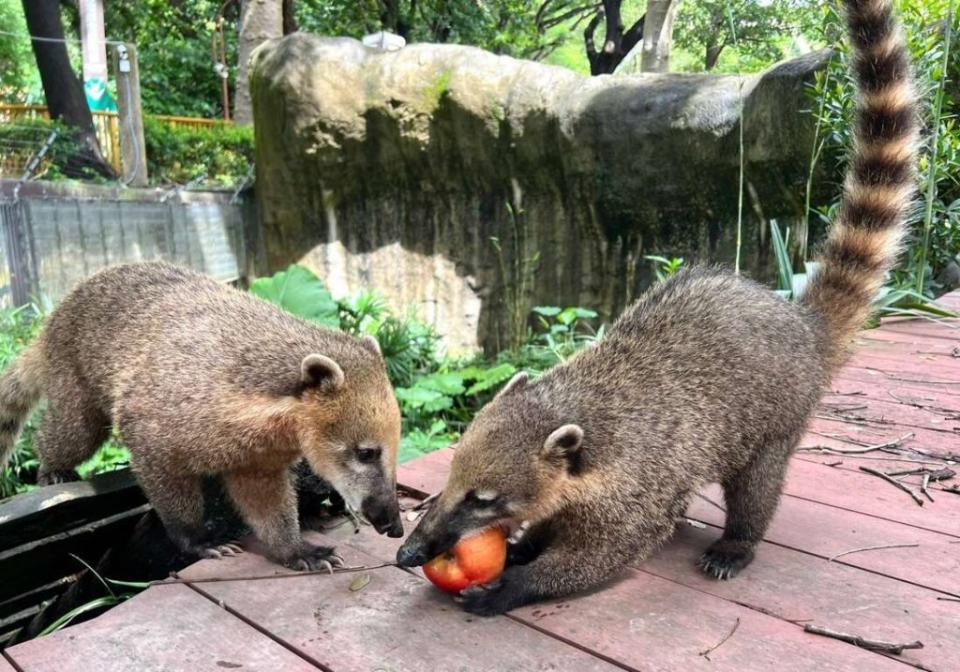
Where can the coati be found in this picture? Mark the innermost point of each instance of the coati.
(202, 379)
(707, 378)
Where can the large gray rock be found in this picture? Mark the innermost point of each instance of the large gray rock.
(474, 186)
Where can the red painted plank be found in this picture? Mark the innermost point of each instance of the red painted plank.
(924, 441)
(164, 628)
(890, 410)
(5, 666)
(647, 624)
(881, 338)
(937, 371)
(905, 394)
(397, 622)
(857, 491)
(796, 587)
(951, 300)
(897, 381)
(825, 531)
(946, 328)
(650, 623)
(427, 474)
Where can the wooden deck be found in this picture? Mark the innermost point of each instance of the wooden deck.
(904, 381)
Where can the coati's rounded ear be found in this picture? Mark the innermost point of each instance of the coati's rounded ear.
(317, 370)
(563, 441)
(518, 381)
(371, 344)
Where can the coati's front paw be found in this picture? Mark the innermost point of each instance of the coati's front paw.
(725, 558)
(227, 550)
(494, 598)
(310, 557)
(56, 476)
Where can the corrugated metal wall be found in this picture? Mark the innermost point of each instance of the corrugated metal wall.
(50, 242)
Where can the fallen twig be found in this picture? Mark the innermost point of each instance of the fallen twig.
(706, 653)
(894, 376)
(866, 449)
(870, 548)
(862, 642)
(261, 577)
(836, 463)
(426, 502)
(895, 483)
(935, 475)
(949, 599)
(923, 487)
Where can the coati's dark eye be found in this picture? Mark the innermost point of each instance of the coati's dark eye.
(368, 454)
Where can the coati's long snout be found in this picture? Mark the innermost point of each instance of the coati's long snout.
(439, 530)
(383, 512)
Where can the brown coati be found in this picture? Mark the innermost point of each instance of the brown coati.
(707, 378)
(202, 379)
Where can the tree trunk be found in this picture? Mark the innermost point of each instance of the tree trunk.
(260, 20)
(289, 17)
(658, 35)
(713, 55)
(617, 43)
(62, 87)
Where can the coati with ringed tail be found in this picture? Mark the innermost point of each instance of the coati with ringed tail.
(707, 378)
(205, 380)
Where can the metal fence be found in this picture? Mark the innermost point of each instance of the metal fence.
(52, 237)
(106, 124)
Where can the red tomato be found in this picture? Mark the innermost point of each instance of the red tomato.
(476, 559)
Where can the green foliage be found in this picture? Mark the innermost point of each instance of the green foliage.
(663, 267)
(221, 154)
(298, 291)
(501, 26)
(437, 395)
(174, 41)
(17, 74)
(18, 327)
(21, 140)
(896, 299)
(754, 34)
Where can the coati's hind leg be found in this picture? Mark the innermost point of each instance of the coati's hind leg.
(751, 497)
(178, 500)
(71, 431)
(267, 501)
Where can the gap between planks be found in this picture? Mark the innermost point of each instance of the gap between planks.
(259, 628)
(837, 561)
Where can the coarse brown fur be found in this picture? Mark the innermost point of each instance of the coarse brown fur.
(707, 378)
(202, 379)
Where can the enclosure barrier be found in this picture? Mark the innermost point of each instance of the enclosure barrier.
(107, 125)
(52, 235)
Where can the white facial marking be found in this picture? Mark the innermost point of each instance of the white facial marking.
(486, 495)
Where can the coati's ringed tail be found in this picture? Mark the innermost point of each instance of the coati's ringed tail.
(20, 390)
(864, 241)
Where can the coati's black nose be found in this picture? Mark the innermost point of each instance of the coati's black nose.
(410, 556)
(384, 518)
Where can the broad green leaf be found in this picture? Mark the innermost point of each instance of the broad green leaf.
(298, 291)
(546, 311)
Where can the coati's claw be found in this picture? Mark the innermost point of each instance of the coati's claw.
(313, 557)
(724, 559)
(56, 476)
(234, 547)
